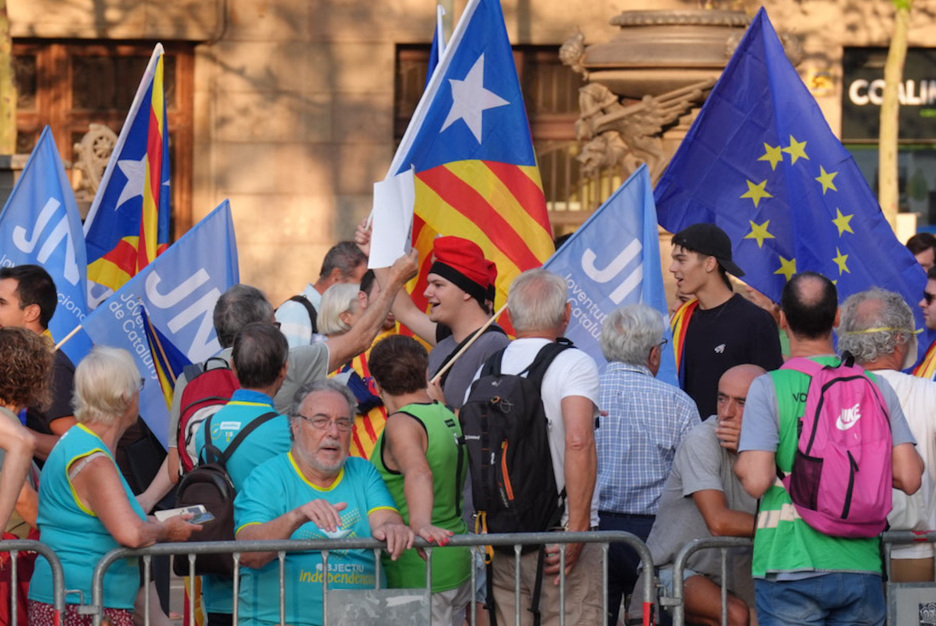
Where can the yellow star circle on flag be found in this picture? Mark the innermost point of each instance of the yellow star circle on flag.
(796, 150)
(756, 192)
(825, 178)
(773, 154)
(787, 267)
(841, 260)
(843, 222)
(759, 232)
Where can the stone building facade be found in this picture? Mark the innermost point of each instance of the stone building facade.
(292, 108)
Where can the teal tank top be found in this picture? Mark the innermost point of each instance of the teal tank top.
(77, 535)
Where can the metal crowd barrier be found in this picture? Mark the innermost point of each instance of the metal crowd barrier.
(14, 547)
(237, 548)
(678, 601)
(908, 603)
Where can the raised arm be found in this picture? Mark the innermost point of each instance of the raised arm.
(343, 348)
(403, 307)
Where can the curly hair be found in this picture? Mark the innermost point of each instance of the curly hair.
(398, 364)
(25, 369)
(874, 324)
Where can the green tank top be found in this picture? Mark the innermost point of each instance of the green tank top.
(448, 460)
(783, 541)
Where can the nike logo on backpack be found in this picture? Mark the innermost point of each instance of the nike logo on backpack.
(848, 417)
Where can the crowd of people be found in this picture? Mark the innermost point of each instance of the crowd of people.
(350, 428)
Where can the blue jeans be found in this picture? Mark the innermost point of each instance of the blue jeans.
(835, 598)
(622, 559)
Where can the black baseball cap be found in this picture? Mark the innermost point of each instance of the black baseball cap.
(710, 240)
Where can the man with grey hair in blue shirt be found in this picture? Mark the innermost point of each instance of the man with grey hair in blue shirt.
(646, 420)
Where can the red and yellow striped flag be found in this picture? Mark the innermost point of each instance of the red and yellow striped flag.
(128, 223)
(469, 141)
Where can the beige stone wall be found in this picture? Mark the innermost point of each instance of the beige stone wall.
(294, 99)
(196, 20)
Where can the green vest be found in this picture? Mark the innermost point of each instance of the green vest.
(448, 460)
(783, 541)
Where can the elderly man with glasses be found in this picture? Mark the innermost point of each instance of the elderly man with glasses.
(314, 491)
(646, 420)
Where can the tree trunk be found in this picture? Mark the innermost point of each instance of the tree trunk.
(7, 86)
(888, 189)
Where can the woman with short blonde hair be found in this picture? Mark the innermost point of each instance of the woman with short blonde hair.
(86, 508)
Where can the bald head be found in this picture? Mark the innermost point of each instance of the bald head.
(809, 304)
(732, 391)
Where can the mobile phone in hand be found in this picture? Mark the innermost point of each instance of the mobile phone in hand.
(202, 518)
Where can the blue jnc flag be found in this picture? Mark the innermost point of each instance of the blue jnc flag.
(762, 163)
(179, 290)
(40, 225)
(614, 260)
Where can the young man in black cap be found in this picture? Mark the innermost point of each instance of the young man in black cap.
(718, 329)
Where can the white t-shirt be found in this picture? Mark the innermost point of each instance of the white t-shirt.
(917, 512)
(572, 373)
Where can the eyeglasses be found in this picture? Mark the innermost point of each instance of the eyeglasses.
(663, 343)
(320, 422)
(142, 384)
(928, 297)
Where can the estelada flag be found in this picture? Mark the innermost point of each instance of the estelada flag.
(128, 223)
(469, 142)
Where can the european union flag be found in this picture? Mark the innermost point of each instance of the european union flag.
(762, 163)
(614, 260)
(41, 225)
(179, 290)
(469, 142)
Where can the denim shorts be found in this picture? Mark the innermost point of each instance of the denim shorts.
(833, 598)
(665, 575)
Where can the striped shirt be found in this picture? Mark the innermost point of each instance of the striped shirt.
(637, 440)
(294, 318)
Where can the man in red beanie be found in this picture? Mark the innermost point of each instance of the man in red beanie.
(460, 295)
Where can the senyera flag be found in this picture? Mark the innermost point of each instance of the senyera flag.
(469, 141)
(128, 223)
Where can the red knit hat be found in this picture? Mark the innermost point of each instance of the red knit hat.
(462, 262)
(492, 280)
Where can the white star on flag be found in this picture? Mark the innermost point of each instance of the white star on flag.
(470, 99)
(135, 171)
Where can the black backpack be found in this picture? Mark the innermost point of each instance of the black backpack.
(310, 309)
(507, 436)
(210, 485)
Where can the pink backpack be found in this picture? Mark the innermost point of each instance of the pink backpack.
(842, 475)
